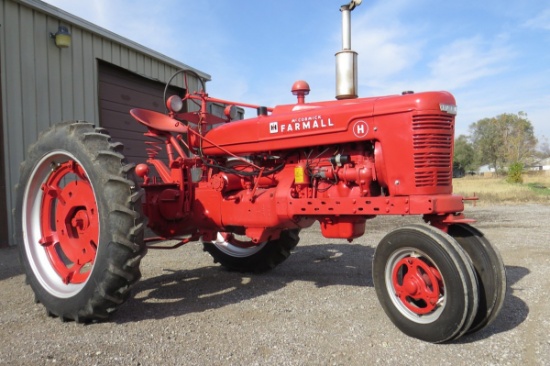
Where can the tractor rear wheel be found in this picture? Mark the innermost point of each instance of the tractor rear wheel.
(425, 283)
(80, 225)
(490, 272)
(243, 256)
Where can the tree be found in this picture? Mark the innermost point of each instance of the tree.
(464, 155)
(543, 150)
(515, 171)
(519, 139)
(487, 142)
(503, 140)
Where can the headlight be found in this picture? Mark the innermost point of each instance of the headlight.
(449, 108)
(174, 104)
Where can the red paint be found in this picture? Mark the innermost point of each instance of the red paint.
(417, 284)
(69, 222)
(337, 162)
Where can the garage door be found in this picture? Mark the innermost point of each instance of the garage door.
(121, 90)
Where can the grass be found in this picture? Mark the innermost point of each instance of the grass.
(534, 189)
(539, 188)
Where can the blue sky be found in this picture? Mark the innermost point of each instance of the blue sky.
(494, 56)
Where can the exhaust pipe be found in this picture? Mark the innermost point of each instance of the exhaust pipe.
(346, 59)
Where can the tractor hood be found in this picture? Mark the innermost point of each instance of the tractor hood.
(324, 123)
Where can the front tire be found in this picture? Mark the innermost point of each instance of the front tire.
(80, 225)
(490, 271)
(425, 283)
(242, 256)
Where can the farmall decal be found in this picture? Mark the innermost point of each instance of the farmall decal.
(300, 124)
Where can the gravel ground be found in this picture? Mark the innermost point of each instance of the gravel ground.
(317, 308)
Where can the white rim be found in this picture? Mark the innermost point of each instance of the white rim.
(404, 310)
(38, 259)
(235, 251)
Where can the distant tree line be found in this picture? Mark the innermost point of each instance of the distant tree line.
(501, 142)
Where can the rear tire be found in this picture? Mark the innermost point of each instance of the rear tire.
(80, 225)
(253, 258)
(425, 283)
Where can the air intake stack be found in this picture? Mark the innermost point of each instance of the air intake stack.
(346, 60)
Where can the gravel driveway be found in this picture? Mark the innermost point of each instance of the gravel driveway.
(317, 308)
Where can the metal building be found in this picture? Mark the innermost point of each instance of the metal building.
(99, 77)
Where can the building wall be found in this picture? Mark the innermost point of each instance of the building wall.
(43, 84)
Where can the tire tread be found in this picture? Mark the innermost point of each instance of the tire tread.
(126, 248)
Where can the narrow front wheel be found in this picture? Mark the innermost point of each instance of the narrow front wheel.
(425, 283)
(490, 271)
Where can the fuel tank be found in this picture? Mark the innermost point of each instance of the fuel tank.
(324, 123)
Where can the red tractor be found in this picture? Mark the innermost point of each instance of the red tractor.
(246, 188)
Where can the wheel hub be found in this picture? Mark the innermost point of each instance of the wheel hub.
(411, 285)
(417, 285)
(69, 222)
(80, 221)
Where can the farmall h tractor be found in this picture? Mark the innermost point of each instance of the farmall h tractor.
(246, 188)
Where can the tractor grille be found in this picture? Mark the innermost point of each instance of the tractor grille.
(432, 145)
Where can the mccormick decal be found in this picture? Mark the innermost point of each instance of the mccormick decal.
(300, 124)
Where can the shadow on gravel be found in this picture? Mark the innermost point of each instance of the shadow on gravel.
(181, 292)
(514, 311)
(9, 263)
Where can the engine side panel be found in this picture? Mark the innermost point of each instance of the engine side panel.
(306, 125)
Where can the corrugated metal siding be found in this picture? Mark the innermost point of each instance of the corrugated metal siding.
(3, 207)
(43, 85)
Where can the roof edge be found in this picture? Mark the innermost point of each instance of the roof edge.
(73, 19)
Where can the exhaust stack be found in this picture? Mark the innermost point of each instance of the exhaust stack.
(346, 60)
